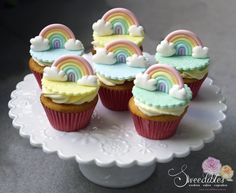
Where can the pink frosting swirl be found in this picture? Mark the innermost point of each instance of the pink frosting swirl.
(211, 166)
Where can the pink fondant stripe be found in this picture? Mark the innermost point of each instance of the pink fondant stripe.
(116, 11)
(166, 68)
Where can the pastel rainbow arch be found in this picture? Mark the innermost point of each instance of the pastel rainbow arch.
(166, 77)
(75, 67)
(123, 49)
(184, 41)
(121, 19)
(57, 34)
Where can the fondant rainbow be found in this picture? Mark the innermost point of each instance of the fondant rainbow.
(121, 19)
(166, 77)
(57, 34)
(123, 49)
(184, 41)
(74, 66)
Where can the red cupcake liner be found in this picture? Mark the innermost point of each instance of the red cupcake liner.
(116, 100)
(68, 122)
(155, 129)
(195, 86)
(38, 76)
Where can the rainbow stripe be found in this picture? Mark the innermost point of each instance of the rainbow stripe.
(166, 77)
(74, 66)
(57, 34)
(184, 41)
(121, 19)
(123, 49)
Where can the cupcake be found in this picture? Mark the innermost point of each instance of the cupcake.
(183, 50)
(116, 66)
(53, 41)
(160, 100)
(117, 24)
(69, 93)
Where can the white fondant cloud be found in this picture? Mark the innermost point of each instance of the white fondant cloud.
(102, 28)
(165, 48)
(200, 52)
(135, 30)
(136, 61)
(178, 93)
(142, 80)
(90, 80)
(73, 44)
(95, 43)
(150, 58)
(102, 57)
(52, 73)
(38, 44)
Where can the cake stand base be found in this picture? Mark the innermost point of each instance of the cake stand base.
(116, 177)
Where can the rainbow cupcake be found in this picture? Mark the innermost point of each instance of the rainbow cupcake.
(69, 93)
(116, 66)
(53, 41)
(160, 100)
(183, 50)
(117, 24)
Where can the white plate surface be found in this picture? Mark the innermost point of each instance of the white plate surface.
(111, 139)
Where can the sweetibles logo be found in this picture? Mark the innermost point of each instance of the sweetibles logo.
(214, 176)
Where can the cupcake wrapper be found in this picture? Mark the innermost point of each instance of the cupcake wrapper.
(195, 86)
(38, 77)
(64, 121)
(116, 100)
(155, 129)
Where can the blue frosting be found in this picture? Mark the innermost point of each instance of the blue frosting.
(183, 63)
(160, 99)
(50, 55)
(119, 71)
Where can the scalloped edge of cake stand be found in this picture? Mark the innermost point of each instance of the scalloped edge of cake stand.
(112, 174)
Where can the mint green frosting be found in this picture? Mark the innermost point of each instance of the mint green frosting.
(183, 63)
(160, 99)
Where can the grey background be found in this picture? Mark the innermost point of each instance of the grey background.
(24, 169)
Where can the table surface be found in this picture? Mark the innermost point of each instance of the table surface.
(27, 169)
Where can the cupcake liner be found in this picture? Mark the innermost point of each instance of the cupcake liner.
(195, 86)
(66, 121)
(116, 100)
(38, 76)
(155, 129)
(141, 48)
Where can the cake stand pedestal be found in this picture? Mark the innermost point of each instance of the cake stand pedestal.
(109, 151)
(115, 176)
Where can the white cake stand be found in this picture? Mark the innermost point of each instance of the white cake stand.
(109, 151)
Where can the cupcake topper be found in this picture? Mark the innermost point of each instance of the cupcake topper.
(121, 51)
(55, 36)
(182, 43)
(71, 69)
(162, 78)
(118, 21)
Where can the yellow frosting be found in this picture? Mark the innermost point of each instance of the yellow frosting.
(195, 74)
(100, 41)
(154, 111)
(109, 82)
(68, 92)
